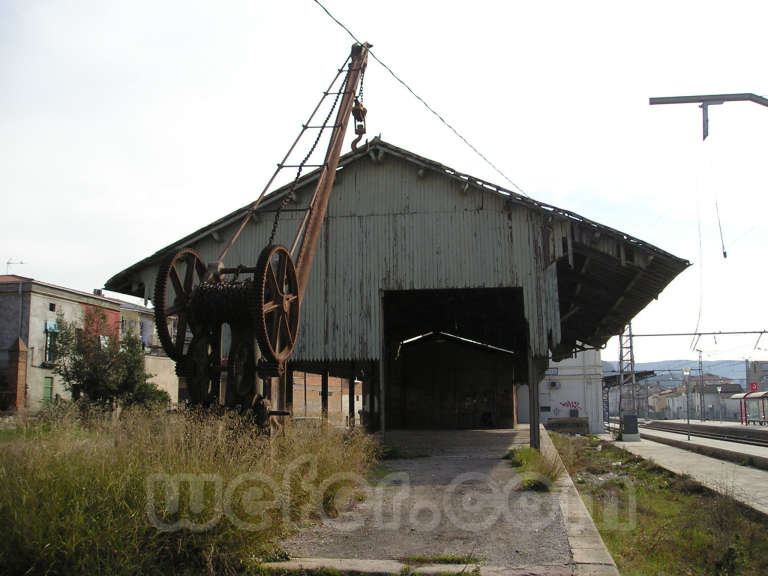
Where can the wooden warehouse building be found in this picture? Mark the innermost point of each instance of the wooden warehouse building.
(411, 247)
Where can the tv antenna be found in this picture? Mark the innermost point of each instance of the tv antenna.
(10, 263)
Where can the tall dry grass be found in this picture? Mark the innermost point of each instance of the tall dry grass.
(75, 487)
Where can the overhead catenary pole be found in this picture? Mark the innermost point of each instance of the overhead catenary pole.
(705, 101)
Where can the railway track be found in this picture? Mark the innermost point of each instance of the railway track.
(753, 436)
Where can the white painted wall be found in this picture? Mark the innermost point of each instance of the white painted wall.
(572, 384)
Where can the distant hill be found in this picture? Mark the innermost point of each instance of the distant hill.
(731, 369)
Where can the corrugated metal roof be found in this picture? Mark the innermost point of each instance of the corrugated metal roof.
(398, 221)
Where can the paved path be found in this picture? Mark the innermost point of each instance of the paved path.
(747, 484)
(450, 493)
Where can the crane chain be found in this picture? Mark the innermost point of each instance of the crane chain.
(290, 197)
(360, 91)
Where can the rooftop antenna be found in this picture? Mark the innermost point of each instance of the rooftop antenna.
(10, 263)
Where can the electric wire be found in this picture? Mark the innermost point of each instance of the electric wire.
(694, 340)
(424, 103)
(720, 227)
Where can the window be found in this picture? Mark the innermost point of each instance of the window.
(50, 346)
(48, 389)
(52, 307)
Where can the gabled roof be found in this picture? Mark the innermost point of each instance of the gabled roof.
(377, 148)
(606, 278)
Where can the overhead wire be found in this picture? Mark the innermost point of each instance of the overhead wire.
(694, 341)
(426, 105)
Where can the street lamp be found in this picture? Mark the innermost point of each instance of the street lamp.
(719, 405)
(686, 374)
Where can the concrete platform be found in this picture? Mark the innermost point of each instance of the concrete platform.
(745, 483)
(724, 449)
(450, 493)
(723, 424)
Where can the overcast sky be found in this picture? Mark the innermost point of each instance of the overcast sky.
(126, 125)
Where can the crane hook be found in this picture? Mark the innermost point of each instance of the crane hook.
(358, 113)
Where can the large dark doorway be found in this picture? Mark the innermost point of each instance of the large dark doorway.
(451, 382)
(452, 357)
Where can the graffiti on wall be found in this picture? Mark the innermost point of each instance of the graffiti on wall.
(571, 404)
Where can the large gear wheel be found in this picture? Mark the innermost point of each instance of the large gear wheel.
(178, 276)
(201, 369)
(275, 304)
(241, 370)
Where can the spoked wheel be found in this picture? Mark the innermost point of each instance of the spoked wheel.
(201, 369)
(177, 278)
(241, 370)
(275, 306)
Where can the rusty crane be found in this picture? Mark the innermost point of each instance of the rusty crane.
(261, 303)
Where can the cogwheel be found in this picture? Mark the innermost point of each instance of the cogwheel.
(173, 296)
(274, 303)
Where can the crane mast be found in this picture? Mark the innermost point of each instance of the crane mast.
(261, 309)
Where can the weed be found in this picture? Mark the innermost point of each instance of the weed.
(534, 484)
(441, 559)
(73, 492)
(541, 469)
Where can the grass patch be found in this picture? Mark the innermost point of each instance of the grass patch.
(77, 495)
(654, 521)
(441, 559)
(541, 469)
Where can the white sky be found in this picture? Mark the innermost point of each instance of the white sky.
(126, 125)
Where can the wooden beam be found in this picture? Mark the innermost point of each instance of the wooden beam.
(324, 395)
(533, 402)
(351, 402)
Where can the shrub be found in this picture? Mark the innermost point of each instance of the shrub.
(74, 496)
(541, 468)
(94, 361)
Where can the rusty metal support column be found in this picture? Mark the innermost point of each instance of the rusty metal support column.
(324, 394)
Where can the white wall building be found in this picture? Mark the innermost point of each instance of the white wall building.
(570, 388)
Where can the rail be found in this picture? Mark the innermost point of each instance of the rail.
(754, 437)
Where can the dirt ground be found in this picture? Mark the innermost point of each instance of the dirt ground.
(444, 493)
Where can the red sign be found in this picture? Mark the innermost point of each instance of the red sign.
(753, 387)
